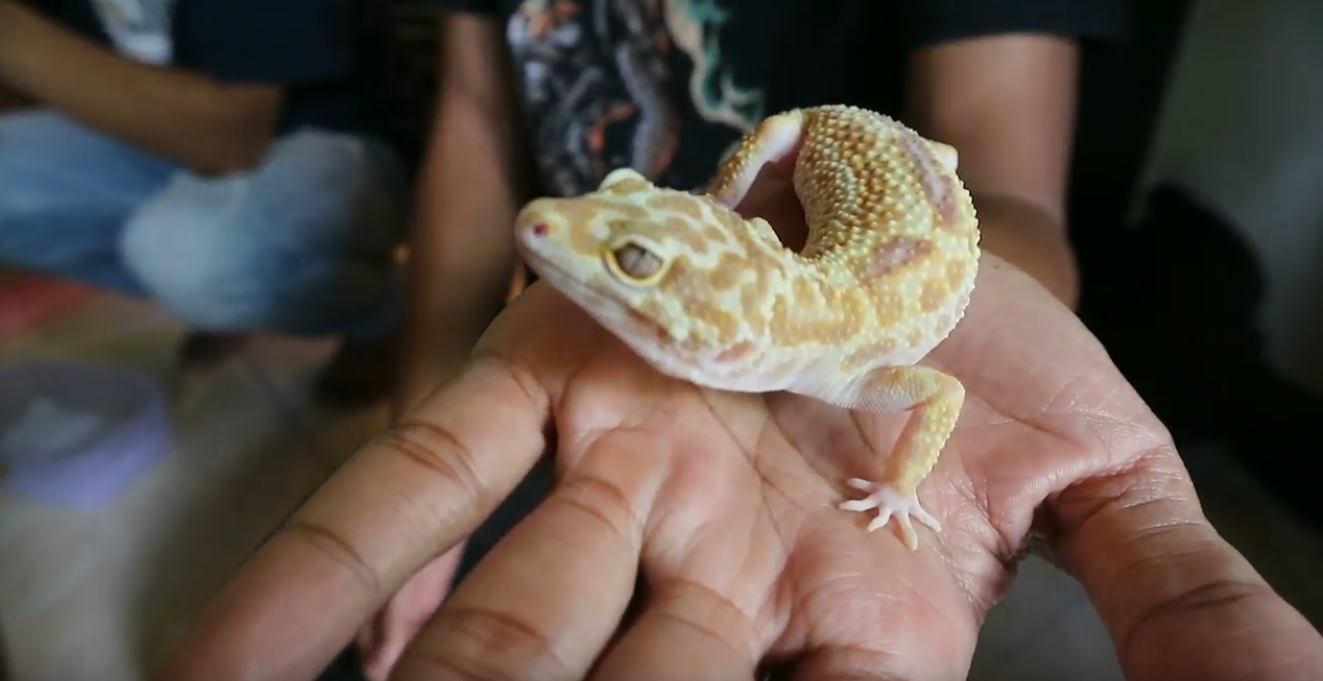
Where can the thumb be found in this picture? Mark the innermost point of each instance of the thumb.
(1177, 599)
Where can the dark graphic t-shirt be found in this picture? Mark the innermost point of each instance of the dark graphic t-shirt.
(667, 87)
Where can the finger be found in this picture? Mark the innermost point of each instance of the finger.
(406, 496)
(841, 663)
(384, 639)
(1178, 600)
(547, 598)
(686, 632)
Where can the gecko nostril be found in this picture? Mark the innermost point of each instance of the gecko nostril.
(539, 229)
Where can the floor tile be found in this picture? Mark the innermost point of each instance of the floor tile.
(118, 584)
(1046, 629)
(1288, 554)
(287, 368)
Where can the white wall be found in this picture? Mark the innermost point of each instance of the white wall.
(1243, 127)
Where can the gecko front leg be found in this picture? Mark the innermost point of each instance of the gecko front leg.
(934, 400)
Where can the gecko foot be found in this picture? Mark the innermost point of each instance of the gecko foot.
(891, 503)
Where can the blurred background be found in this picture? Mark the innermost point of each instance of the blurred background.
(1197, 212)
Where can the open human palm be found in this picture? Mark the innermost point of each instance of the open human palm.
(697, 534)
(724, 508)
(694, 534)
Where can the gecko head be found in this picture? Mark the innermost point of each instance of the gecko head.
(624, 252)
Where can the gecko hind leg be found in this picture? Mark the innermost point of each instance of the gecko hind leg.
(935, 400)
(772, 140)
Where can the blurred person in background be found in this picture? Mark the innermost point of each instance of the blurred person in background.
(690, 533)
(222, 158)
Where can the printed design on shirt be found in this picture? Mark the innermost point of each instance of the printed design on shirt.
(139, 29)
(695, 26)
(594, 77)
(597, 82)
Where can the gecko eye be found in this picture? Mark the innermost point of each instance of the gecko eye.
(635, 262)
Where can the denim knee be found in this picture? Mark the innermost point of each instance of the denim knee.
(302, 244)
(18, 201)
(65, 194)
(198, 267)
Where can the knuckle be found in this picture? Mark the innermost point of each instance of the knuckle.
(686, 620)
(436, 451)
(1216, 594)
(1199, 602)
(336, 548)
(709, 614)
(599, 501)
(476, 644)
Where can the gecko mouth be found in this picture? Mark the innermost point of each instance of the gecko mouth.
(579, 293)
(592, 301)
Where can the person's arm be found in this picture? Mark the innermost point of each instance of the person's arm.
(205, 125)
(1007, 103)
(461, 250)
(11, 100)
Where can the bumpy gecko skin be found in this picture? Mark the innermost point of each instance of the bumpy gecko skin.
(709, 297)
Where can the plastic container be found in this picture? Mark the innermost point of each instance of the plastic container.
(78, 434)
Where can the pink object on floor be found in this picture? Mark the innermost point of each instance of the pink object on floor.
(79, 434)
(29, 300)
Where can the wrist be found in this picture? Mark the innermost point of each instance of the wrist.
(1032, 240)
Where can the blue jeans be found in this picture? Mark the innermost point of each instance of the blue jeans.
(303, 244)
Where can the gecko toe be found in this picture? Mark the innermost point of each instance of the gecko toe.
(883, 517)
(925, 518)
(858, 505)
(891, 504)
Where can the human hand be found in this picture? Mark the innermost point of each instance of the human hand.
(382, 639)
(713, 515)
